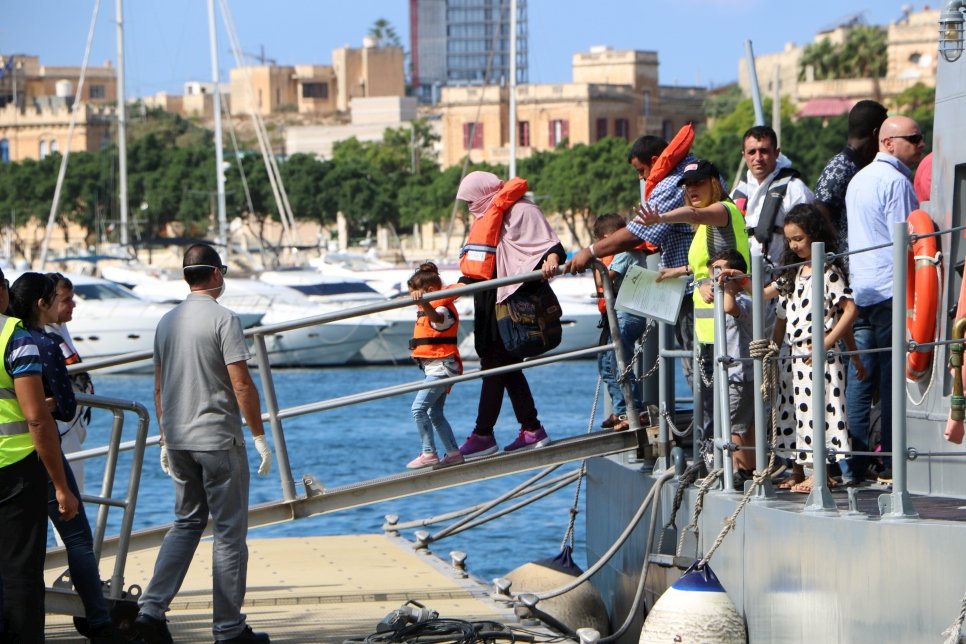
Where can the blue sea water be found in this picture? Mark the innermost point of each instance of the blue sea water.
(376, 439)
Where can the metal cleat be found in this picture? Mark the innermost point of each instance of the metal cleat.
(390, 524)
(458, 559)
(312, 486)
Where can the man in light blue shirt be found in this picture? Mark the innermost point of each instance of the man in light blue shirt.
(879, 196)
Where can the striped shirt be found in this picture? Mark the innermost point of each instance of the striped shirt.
(22, 357)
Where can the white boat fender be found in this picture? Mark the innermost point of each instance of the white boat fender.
(580, 608)
(695, 608)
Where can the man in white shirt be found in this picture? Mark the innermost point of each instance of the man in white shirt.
(770, 188)
(879, 196)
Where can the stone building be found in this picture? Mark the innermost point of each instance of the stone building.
(36, 103)
(911, 44)
(613, 93)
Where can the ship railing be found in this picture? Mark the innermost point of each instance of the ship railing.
(58, 599)
(896, 505)
(314, 501)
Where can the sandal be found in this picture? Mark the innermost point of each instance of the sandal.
(790, 482)
(622, 424)
(609, 422)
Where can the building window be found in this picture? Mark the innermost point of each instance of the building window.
(97, 91)
(259, 99)
(4, 151)
(278, 96)
(647, 104)
(315, 90)
(472, 136)
(601, 129)
(667, 129)
(523, 134)
(42, 153)
(622, 129)
(53, 146)
(559, 131)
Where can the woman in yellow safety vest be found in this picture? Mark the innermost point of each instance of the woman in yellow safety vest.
(718, 225)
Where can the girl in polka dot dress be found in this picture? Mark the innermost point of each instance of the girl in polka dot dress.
(793, 328)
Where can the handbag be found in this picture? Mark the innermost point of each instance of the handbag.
(529, 323)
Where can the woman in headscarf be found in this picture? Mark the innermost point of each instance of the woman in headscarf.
(526, 243)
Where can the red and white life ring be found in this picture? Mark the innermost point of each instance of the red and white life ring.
(922, 292)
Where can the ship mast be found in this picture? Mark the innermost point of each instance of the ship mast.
(121, 126)
(222, 237)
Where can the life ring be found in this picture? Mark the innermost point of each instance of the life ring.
(922, 292)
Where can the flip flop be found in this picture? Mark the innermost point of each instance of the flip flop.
(789, 483)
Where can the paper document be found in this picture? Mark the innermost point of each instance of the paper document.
(642, 294)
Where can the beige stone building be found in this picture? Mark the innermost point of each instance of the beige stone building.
(613, 93)
(911, 49)
(35, 108)
(363, 72)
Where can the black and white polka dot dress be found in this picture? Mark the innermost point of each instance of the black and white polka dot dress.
(795, 414)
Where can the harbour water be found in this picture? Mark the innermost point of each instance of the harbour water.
(361, 442)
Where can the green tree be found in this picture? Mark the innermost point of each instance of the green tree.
(863, 54)
(384, 34)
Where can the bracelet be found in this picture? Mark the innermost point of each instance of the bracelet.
(592, 253)
(687, 269)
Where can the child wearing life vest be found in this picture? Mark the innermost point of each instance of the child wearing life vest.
(631, 326)
(434, 347)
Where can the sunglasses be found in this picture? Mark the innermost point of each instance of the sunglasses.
(222, 267)
(915, 139)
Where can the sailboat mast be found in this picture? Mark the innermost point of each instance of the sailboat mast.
(513, 89)
(219, 148)
(121, 126)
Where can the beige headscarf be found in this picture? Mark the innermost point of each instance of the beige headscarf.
(526, 235)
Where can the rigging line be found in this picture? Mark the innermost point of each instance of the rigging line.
(244, 179)
(455, 514)
(62, 171)
(261, 135)
(612, 550)
(495, 501)
(564, 482)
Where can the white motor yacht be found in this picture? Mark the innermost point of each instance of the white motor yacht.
(330, 344)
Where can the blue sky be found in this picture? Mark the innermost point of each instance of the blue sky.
(699, 42)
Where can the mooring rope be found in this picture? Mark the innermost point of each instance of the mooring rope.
(767, 351)
(954, 634)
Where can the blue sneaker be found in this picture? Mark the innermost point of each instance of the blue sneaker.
(528, 438)
(478, 445)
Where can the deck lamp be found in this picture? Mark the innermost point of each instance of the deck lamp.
(951, 30)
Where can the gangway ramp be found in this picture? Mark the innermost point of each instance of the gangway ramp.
(319, 500)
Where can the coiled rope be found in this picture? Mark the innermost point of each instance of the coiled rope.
(954, 634)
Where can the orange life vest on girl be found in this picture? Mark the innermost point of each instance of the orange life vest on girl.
(478, 256)
(428, 343)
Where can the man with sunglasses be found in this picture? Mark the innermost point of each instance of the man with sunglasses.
(202, 388)
(878, 197)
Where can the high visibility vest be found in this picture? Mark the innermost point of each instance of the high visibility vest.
(709, 240)
(478, 256)
(430, 344)
(15, 441)
(601, 303)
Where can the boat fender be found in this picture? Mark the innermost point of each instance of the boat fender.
(582, 607)
(695, 609)
(922, 292)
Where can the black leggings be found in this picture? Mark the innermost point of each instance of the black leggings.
(491, 394)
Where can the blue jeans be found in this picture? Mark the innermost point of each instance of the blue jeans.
(79, 542)
(631, 329)
(428, 413)
(873, 330)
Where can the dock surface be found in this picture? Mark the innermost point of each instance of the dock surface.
(312, 589)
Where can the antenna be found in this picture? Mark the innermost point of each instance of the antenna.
(260, 56)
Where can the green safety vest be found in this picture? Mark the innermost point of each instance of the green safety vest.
(15, 441)
(709, 240)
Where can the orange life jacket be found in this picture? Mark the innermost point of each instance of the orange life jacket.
(428, 343)
(601, 302)
(478, 256)
(663, 165)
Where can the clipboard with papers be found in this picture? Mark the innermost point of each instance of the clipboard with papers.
(642, 294)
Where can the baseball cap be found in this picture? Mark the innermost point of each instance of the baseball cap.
(698, 171)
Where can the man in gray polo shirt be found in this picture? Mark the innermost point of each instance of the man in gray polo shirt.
(202, 387)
